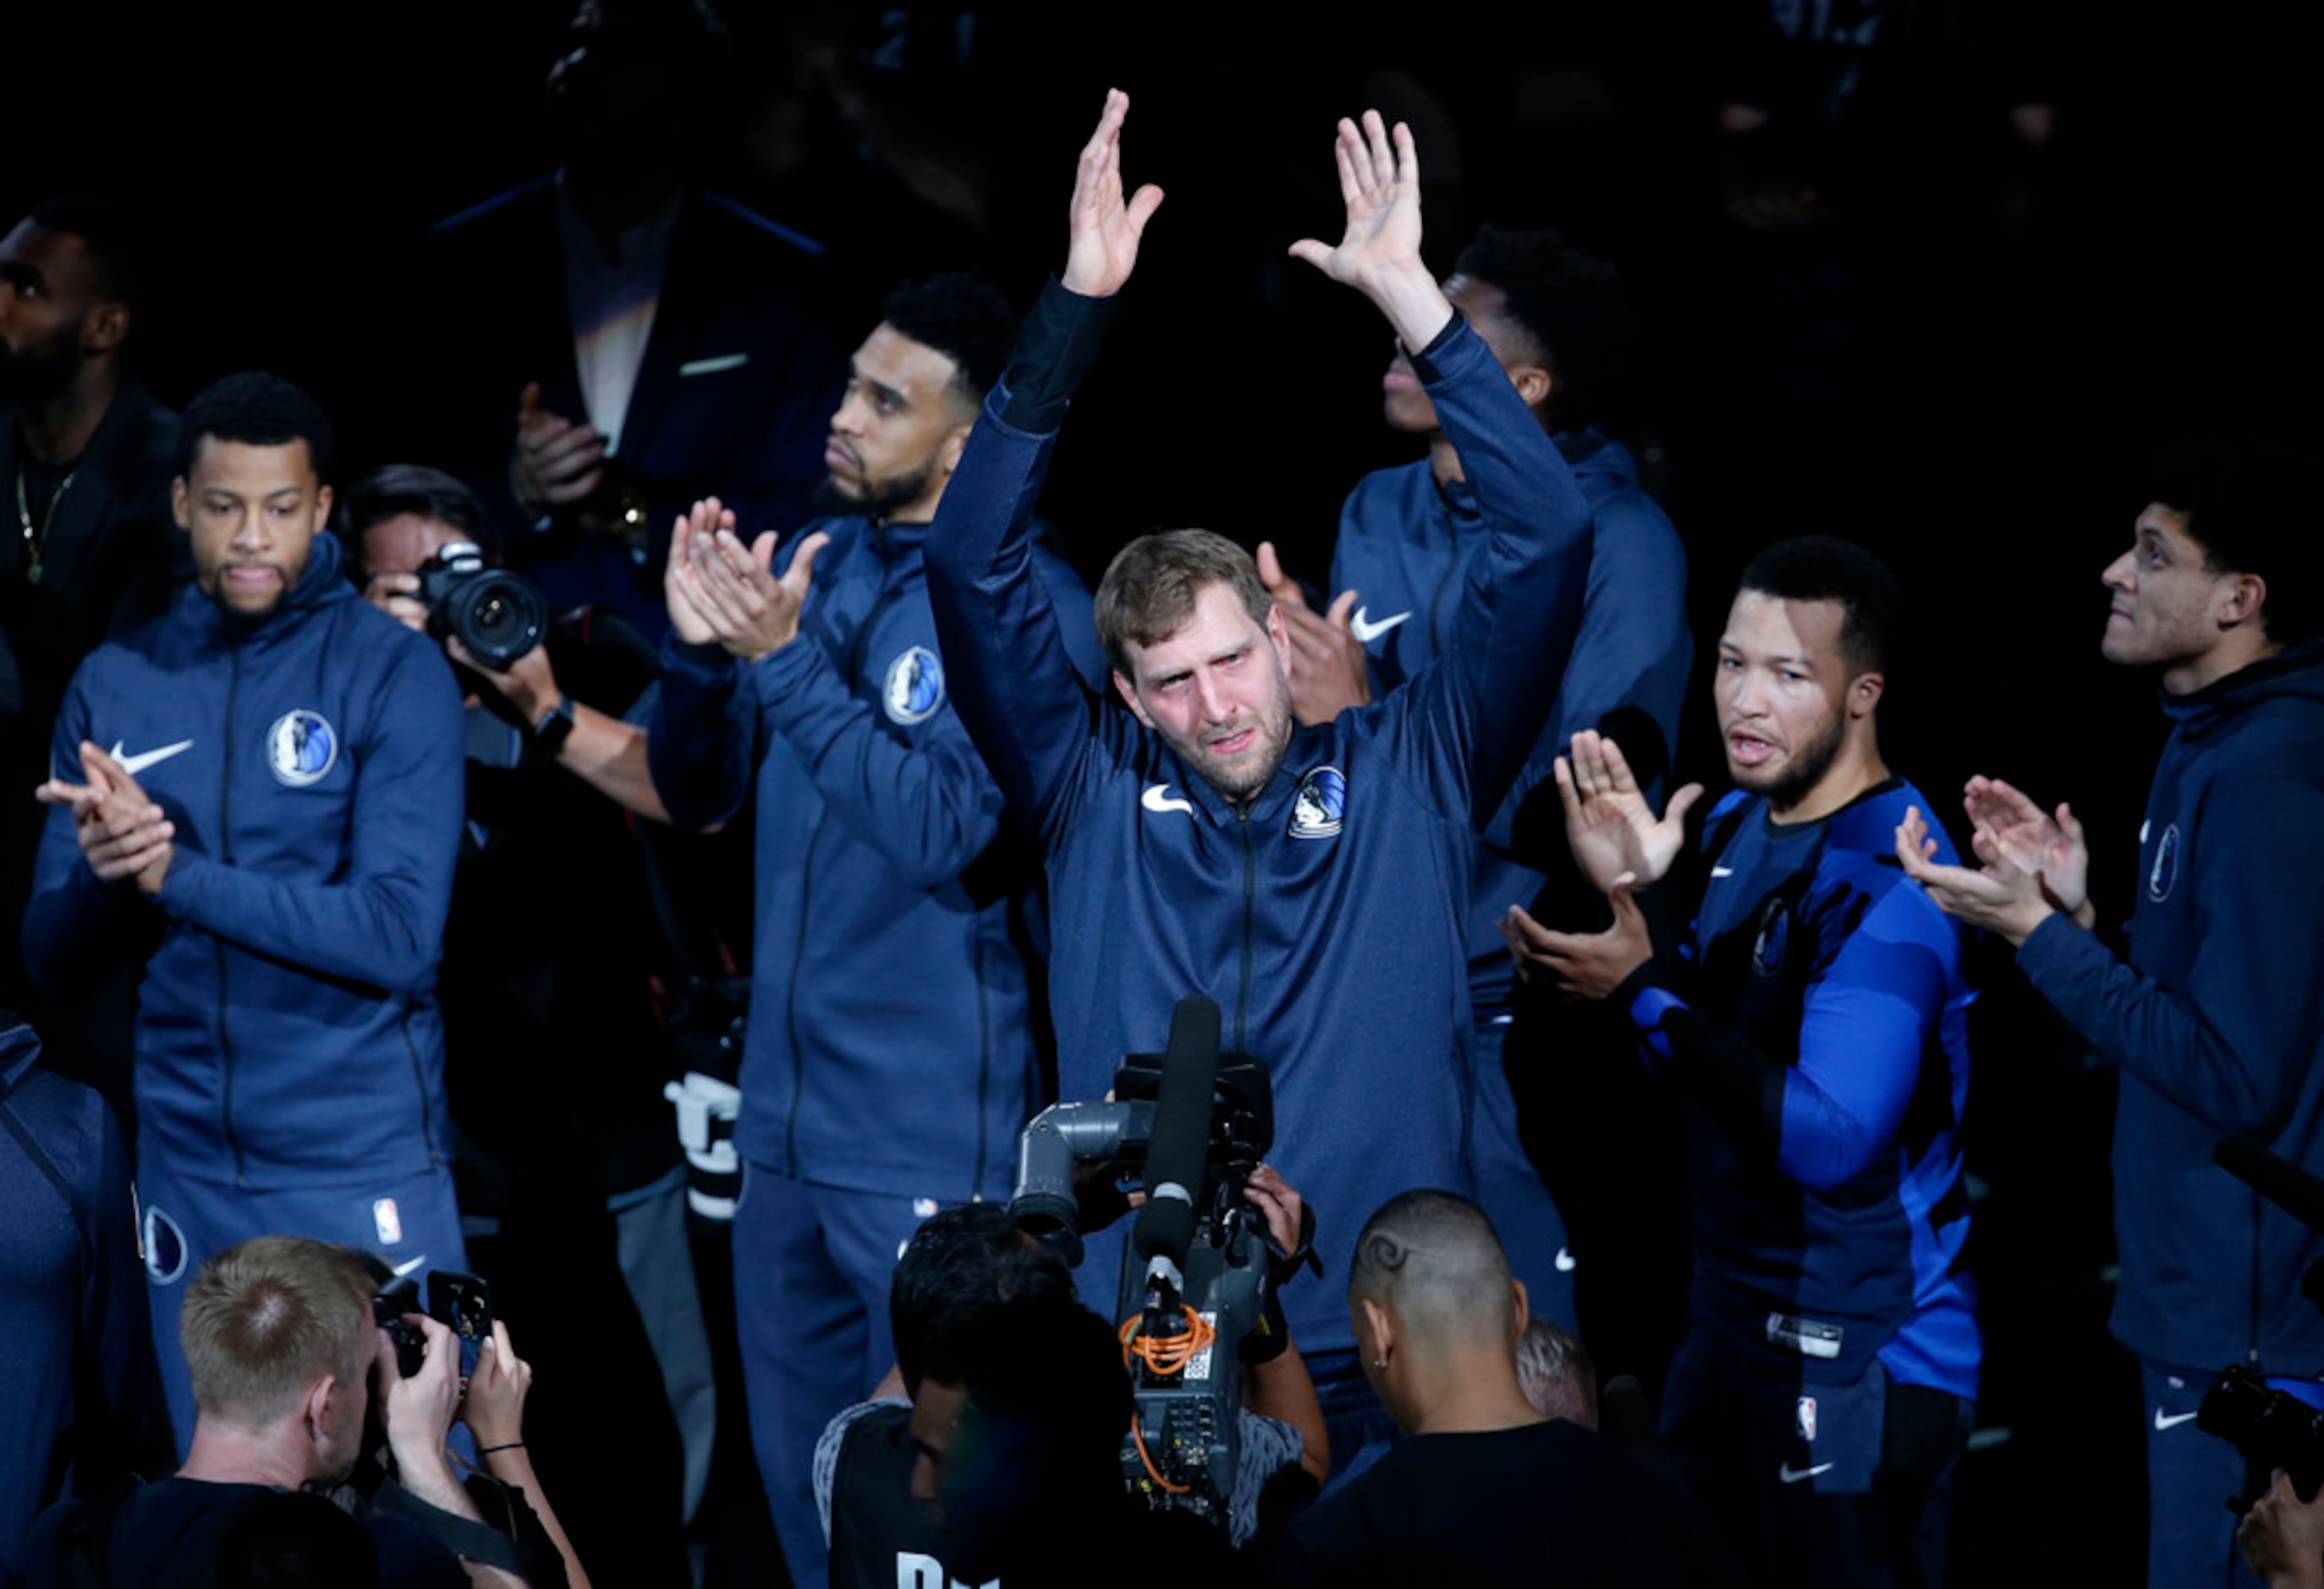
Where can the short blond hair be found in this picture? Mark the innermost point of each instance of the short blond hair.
(1152, 585)
(262, 1321)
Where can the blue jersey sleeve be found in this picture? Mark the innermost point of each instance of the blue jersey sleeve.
(1867, 1023)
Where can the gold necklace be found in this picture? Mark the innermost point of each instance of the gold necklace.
(33, 541)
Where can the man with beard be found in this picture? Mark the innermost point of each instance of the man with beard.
(274, 831)
(892, 1056)
(2211, 1008)
(1310, 881)
(86, 552)
(1816, 1022)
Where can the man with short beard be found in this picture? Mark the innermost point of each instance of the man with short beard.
(892, 1049)
(86, 547)
(1816, 1021)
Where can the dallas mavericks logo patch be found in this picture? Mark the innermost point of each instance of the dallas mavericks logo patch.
(2166, 865)
(915, 686)
(301, 747)
(1321, 802)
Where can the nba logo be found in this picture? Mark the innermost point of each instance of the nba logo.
(1805, 1414)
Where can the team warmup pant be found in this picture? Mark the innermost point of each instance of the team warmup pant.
(1847, 1485)
(812, 1269)
(186, 1218)
(1510, 1189)
(2191, 1536)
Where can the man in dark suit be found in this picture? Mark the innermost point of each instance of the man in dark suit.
(87, 548)
(626, 343)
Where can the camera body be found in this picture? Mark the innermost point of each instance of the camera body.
(497, 615)
(1185, 1311)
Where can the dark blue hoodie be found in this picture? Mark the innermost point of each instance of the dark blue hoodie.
(2217, 1021)
(1405, 548)
(1327, 916)
(287, 1028)
(891, 1041)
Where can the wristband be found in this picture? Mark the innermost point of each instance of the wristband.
(555, 726)
(510, 1446)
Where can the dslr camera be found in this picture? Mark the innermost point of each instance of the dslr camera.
(496, 615)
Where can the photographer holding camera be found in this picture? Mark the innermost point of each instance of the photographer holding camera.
(287, 1361)
(555, 1058)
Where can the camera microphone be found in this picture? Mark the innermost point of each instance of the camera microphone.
(1181, 1143)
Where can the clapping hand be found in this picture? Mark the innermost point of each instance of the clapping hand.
(1608, 823)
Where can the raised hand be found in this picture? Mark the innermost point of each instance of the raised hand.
(1378, 254)
(1102, 231)
(1582, 965)
(1611, 829)
(558, 463)
(2051, 849)
(1381, 191)
(2000, 896)
(1329, 672)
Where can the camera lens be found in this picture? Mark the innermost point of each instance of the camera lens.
(501, 618)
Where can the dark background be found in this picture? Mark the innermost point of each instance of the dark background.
(1962, 358)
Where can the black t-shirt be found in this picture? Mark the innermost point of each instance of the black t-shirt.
(1543, 1503)
(170, 1534)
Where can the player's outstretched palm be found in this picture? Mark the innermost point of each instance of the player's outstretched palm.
(1608, 822)
(2050, 847)
(1381, 189)
(1104, 229)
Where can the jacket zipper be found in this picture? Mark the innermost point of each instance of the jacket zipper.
(225, 857)
(983, 1065)
(1249, 899)
(856, 648)
(1436, 596)
(419, 1082)
(2251, 1354)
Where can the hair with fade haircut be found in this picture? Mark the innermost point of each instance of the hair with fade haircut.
(1152, 585)
(1434, 1260)
(1824, 567)
(2252, 504)
(1571, 308)
(1555, 1373)
(262, 1321)
(397, 489)
(964, 316)
(962, 1262)
(258, 409)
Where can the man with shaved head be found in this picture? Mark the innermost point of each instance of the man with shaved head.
(1484, 1489)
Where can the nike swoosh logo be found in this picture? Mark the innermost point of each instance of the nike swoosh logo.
(1366, 631)
(2162, 1423)
(1791, 1475)
(1565, 1261)
(1157, 799)
(1722, 872)
(133, 765)
(407, 1265)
